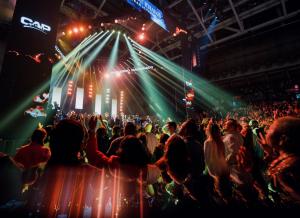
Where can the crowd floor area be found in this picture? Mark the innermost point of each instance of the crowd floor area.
(215, 163)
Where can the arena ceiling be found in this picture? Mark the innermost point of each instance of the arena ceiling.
(235, 18)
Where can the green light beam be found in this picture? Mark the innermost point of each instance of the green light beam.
(154, 96)
(113, 55)
(202, 87)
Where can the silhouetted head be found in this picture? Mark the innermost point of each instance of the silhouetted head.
(116, 130)
(177, 158)
(171, 127)
(132, 152)
(38, 136)
(231, 125)
(163, 138)
(129, 129)
(66, 141)
(213, 131)
(101, 132)
(189, 128)
(284, 134)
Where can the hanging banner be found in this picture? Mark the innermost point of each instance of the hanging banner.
(155, 13)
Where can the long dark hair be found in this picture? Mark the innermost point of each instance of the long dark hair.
(213, 131)
(177, 158)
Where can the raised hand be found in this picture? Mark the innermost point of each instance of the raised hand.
(275, 114)
(227, 116)
(264, 144)
(93, 123)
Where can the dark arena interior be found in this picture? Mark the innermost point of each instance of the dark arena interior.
(149, 108)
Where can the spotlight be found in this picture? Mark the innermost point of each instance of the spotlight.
(81, 29)
(143, 28)
(106, 75)
(118, 74)
(75, 30)
(102, 24)
(90, 27)
(63, 33)
(141, 36)
(70, 32)
(116, 21)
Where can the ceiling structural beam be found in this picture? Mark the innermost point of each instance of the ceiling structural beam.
(172, 46)
(259, 26)
(159, 47)
(260, 8)
(91, 6)
(244, 15)
(236, 16)
(283, 7)
(62, 3)
(162, 51)
(69, 12)
(163, 40)
(100, 9)
(199, 20)
(232, 29)
(226, 9)
(175, 57)
(226, 23)
(174, 4)
(202, 17)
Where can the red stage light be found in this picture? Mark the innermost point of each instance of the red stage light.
(142, 36)
(81, 29)
(90, 90)
(70, 87)
(70, 32)
(75, 30)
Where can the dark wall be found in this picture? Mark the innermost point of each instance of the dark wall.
(27, 61)
(2, 51)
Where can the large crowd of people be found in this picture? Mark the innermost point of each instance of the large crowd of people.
(128, 166)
